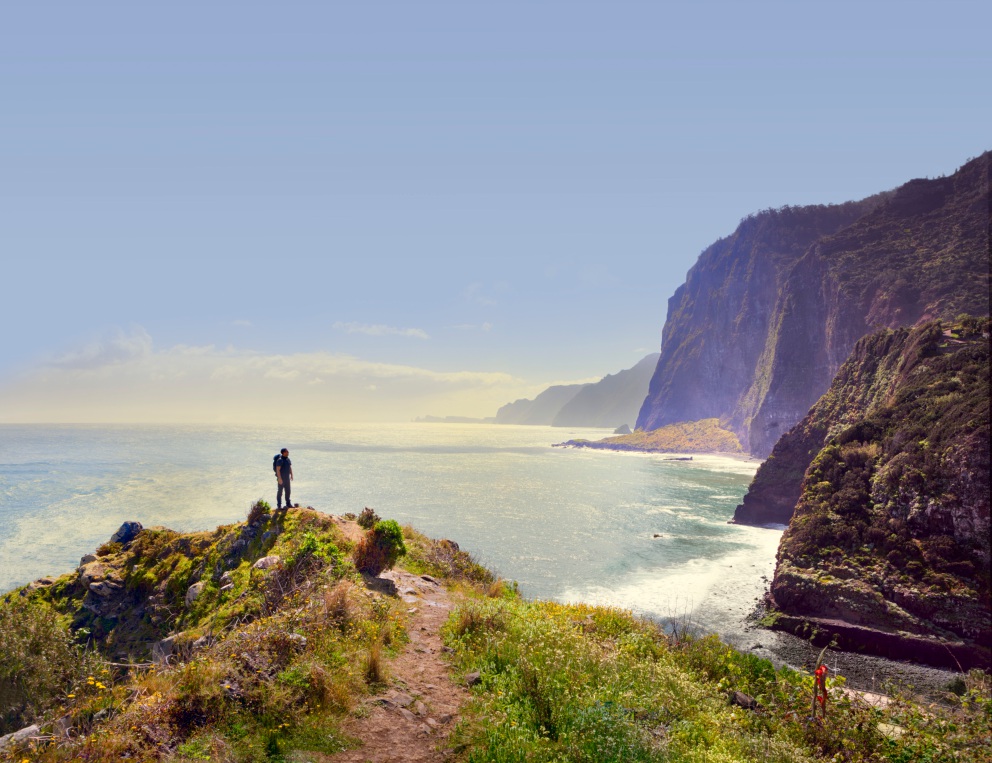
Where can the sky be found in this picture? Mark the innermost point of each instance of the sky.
(328, 211)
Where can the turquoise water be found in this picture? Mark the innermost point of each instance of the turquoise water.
(566, 524)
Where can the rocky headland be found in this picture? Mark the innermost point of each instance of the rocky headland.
(885, 487)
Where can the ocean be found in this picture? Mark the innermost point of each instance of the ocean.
(632, 530)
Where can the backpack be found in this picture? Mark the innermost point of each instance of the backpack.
(275, 463)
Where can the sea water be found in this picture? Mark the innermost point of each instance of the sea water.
(633, 530)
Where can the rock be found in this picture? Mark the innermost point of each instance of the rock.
(407, 714)
(87, 559)
(194, 591)
(91, 572)
(227, 587)
(432, 723)
(63, 727)
(622, 429)
(105, 588)
(430, 579)
(202, 642)
(473, 679)
(226, 579)
(266, 562)
(162, 650)
(19, 736)
(402, 700)
(741, 699)
(37, 585)
(420, 708)
(126, 533)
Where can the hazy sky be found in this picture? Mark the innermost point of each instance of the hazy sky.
(367, 210)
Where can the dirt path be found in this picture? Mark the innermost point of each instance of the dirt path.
(410, 721)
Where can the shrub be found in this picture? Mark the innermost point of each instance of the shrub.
(257, 511)
(380, 548)
(40, 661)
(368, 518)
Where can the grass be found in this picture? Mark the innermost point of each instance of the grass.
(273, 681)
(703, 436)
(579, 683)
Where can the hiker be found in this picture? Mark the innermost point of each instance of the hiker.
(283, 468)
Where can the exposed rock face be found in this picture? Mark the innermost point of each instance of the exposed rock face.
(767, 315)
(890, 531)
(613, 400)
(126, 533)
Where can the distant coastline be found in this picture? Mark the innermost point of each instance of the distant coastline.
(689, 437)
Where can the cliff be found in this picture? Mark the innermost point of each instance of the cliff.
(767, 315)
(888, 544)
(613, 400)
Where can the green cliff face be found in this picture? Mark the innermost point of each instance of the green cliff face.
(890, 530)
(767, 316)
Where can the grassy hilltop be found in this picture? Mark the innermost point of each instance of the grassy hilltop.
(262, 641)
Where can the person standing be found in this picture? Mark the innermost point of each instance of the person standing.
(284, 475)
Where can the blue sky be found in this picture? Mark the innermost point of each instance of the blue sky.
(384, 210)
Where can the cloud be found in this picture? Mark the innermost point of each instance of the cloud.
(487, 326)
(112, 350)
(125, 378)
(242, 322)
(377, 329)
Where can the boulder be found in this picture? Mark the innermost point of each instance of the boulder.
(162, 650)
(91, 572)
(622, 429)
(266, 562)
(194, 591)
(19, 736)
(126, 533)
(87, 559)
(105, 588)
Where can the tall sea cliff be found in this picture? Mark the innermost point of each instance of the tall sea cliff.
(767, 315)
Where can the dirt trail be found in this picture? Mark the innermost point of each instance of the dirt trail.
(409, 722)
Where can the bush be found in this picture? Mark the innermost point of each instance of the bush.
(380, 548)
(368, 518)
(258, 511)
(40, 662)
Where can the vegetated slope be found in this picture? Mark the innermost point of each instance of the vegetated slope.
(610, 402)
(767, 315)
(272, 666)
(891, 525)
(263, 634)
(613, 400)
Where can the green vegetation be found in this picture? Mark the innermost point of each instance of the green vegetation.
(380, 548)
(270, 670)
(704, 436)
(594, 685)
(260, 666)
